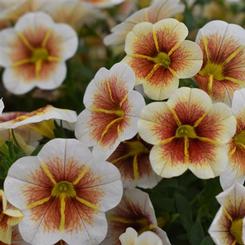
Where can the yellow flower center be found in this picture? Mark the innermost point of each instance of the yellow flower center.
(236, 230)
(63, 188)
(39, 54)
(162, 59)
(214, 70)
(186, 131)
(239, 139)
(136, 148)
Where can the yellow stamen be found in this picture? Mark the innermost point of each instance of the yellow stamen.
(166, 141)
(210, 84)
(25, 41)
(62, 212)
(47, 172)
(38, 203)
(233, 55)
(141, 56)
(107, 128)
(87, 203)
(174, 114)
(153, 70)
(207, 140)
(199, 120)
(136, 168)
(162, 59)
(53, 59)
(110, 92)
(38, 68)
(83, 172)
(155, 40)
(46, 38)
(123, 100)
(22, 62)
(176, 46)
(205, 44)
(119, 113)
(186, 149)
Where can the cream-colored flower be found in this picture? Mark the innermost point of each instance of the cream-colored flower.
(160, 9)
(103, 3)
(34, 53)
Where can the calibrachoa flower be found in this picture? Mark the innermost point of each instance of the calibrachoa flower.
(188, 132)
(34, 53)
(236, 167)
(158, 10)
(103, 3)
(135, 210)
(112, 110)
(27, 128)
(16, 238)
(228, 227)
(130, 237)
(10, 217)
(223, 69)
(132, 159)
(63, 193)
(159, 55)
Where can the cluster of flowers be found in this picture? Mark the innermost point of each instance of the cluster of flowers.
(83, 190)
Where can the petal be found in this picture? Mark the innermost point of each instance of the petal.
(129, 237)
(186, 60)
(238, 102)
(148, 238)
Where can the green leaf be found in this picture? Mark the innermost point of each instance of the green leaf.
(196, 233)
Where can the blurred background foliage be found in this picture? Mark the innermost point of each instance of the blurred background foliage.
(185, 206)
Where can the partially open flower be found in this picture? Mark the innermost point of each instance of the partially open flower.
(160, 9)
(228, 227)
(223, 70)
(28, 128)
(159, 55)
(103, 3)
(188, 132)
(17, 238)
(34, 53)
(112, 110)
(146, 238)
(135, 210)
(236, 167)
(63, 193)
(10, 217)
(132, 159)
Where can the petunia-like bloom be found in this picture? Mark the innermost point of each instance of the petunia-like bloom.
(103, 3)
(130, 237)
(235, 171)
(228, 227)
(223, 69)
(188, 132)
(10, 216)
(132, 159)
(158, 10)
(63, 193)
(159, 55)
(112, 110)
(27, 128)
(34, 53)
(136, 211)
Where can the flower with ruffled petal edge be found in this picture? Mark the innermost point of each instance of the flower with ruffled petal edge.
(223, 69)
(112, 110)
(228, 227)
(130, 237)
(159, 55)
(27, 128)
(10, 216)
(103, 3)
(135, 210)
(63, 193)
(235, 171)
(160, 9)
(132, 159)
(188, 132)
(34, 53)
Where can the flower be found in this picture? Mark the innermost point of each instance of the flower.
(112, 110)
(136, 211)
(228, 226)
(16, 238)
(132, 159)
(10, 216)
(160, 9)
(236, 167)
(34, 53)
(103, 3)
(188, 132)
(28, 128)
(63, 193)
(159, 55)
(223, 69)
(146, 238)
